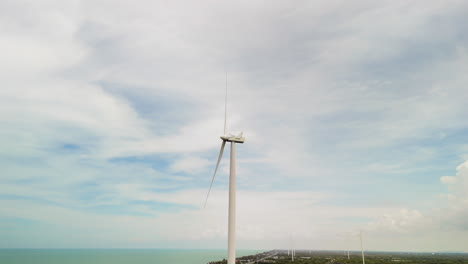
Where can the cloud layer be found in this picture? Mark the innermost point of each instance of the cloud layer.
(111, 114)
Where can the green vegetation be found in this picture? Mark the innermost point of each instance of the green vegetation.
(338, 257)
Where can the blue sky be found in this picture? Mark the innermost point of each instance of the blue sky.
(354, 115)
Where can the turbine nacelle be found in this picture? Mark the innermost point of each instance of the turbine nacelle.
(234, 138)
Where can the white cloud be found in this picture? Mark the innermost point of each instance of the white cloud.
(458, 192)
(262, 217)
(403, 220)
(190, 165)
(448, 179)
(329, 95)
(438, 223)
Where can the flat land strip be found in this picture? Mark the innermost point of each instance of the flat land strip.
(341, 257)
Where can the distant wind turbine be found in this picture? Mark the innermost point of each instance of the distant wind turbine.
(293, 251)
(232, 183)
(347, 243)
(362, 249)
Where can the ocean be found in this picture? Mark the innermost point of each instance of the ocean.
(115, 256)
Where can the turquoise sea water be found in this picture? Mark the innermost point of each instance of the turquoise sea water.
(114, 256)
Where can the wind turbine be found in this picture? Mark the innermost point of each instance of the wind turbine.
(347, 245)
(362, 250)
(233, 139)
(293, 251)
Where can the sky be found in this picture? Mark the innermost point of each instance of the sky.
(354, 114)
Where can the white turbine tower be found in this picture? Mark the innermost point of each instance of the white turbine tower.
(293, 251)
(347, 244)
(233, 139)
(362, 249)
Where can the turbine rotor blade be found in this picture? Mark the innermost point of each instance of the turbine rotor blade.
(216, 169)
(225, 107)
